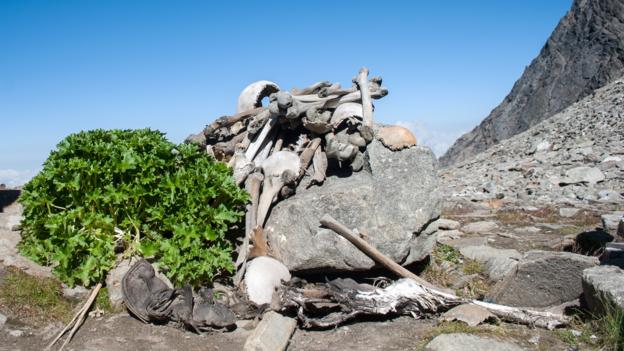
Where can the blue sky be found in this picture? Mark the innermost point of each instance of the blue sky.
(67, 66)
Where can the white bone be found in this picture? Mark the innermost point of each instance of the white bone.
(251, 97)
(346, 110)
(276, 168)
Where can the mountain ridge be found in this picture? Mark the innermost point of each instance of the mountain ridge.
(584, 52)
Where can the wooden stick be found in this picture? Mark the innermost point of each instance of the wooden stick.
(367, 105)
(372, 252)
(77, 320)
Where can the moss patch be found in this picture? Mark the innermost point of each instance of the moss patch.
(33, 300)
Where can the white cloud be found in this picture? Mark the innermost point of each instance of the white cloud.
(12, 177)
(438, 140)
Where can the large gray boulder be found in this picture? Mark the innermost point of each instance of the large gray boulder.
(543, 278)
(603, 284)
(391, 205)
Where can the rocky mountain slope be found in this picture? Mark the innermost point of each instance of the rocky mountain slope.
(585, 52)
(577, 156)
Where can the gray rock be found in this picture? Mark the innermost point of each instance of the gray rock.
(457, 244)
(470, 314)
(271, 334)
(481, 227)
(447, 235)
(543, 278)
(3, 320)
(568, 212)
(468, 342)
(583, 174)
(448, 224)
(583, 53)
(610, 196)
(392, 206)
(16, 333)
(603, 284)
(496, 262)
(113, 281)
(78, 292)
(611, 221)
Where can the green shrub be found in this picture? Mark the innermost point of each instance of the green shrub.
(131, 191)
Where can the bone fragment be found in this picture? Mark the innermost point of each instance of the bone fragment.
(319, 163)
(227, 121)
(367, 105)
(252, 185)
(278, 168)
(312, 89)
(258, 142)
(251, 97)
(308, 154)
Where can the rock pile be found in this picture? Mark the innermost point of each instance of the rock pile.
(317, 151)
(576, 157)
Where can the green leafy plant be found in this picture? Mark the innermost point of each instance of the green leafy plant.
(132, 191)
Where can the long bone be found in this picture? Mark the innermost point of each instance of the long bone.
(279, 168)
(367, 105)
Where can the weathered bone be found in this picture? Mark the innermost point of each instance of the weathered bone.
(242, 167)
(251, 97)
(258, 121)
(264, 150)
(344, 111)
(339, 150)
(367, 105)
(319, 164)
(317, 121)
(227, 121)
(308, 154)
(252, 185)
(355, 97)
(277, 169)
(312, 89)
(258, 142)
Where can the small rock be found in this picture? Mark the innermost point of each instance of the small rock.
(496, 262)
(16, 333)
(543, 278)
(446, 235)
(468, 342)
(457, 244)
(78, 292)
(582, 174)
(481, 227)
(3, 320)
(448, 224)
(603, 282)
(568, 212)
(611, 221)
(263, 275)
(271, 334)
(610, 196)
(611, 159)
(470, 314)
